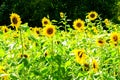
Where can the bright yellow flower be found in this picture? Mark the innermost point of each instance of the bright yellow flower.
(114, 37)
(106, 21)
(100, 42)
(20, 55)
(2, 71)
(92, 15)
(62, 14)
(95, 65)
(79, 24)
(4, 29)
(49, 30)
(37, 31)
(95, 30)
(80, 56)
(45, 21)
(15, 20)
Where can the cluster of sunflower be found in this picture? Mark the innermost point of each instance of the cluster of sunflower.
(83, 59)
(85, 30)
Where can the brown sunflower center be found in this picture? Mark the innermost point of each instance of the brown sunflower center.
(6, 30)
(92, 15)
(24, 55)
(115, 38)
(100, 41)
(49, 30)
(37, 32)
(94, 66)
(78, 25)
(80, 54)
(14, 20)
(45, 22)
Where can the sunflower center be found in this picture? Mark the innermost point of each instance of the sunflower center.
(80, 54)
(79, 25)
(45, 22)
(37, 32)
(100, 41)
(92, 15)
(50, 31)
(15, 20)
(6, 30)
(115, 38)
(94, 66)
(24, 55)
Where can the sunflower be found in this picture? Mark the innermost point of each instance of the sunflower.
(5, 75)
(86, 67)
(49, 30)
(94, 29)
(94, 65)
(15, 20)
(37, 30)
(92, 15)
(107, 22)
(62, 14)
(114, 37)
(45, 21)
(4, 29)
(23, 55)
(80, 56)
(100, 42)
(79, 24)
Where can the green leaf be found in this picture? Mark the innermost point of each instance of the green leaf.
(2, 53)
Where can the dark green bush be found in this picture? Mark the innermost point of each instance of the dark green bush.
(32, 11)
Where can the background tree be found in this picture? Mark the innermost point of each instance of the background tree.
(32, 11)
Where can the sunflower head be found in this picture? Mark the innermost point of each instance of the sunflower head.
(4, 29)
(86, 66)
(62, 14)
(45, 21)
(114, 37)
(92, 15)
(49, 30)
(15, 20)
(24, 56)
(106, 21)
(100, 42)
(94, 65)
(78, 24)
(80, 56)
(37, 30)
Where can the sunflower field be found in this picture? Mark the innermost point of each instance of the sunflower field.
(87, 50)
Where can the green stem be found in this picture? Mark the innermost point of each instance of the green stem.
(21, 41)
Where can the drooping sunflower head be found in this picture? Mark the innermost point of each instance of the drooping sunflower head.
(92, 15)
(49, 30)
(94, 65)
(100, 42)
(15, 20)
(114, 37)
(78, 24)
(45, 21)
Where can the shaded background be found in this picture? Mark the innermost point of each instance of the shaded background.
(32, 11)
